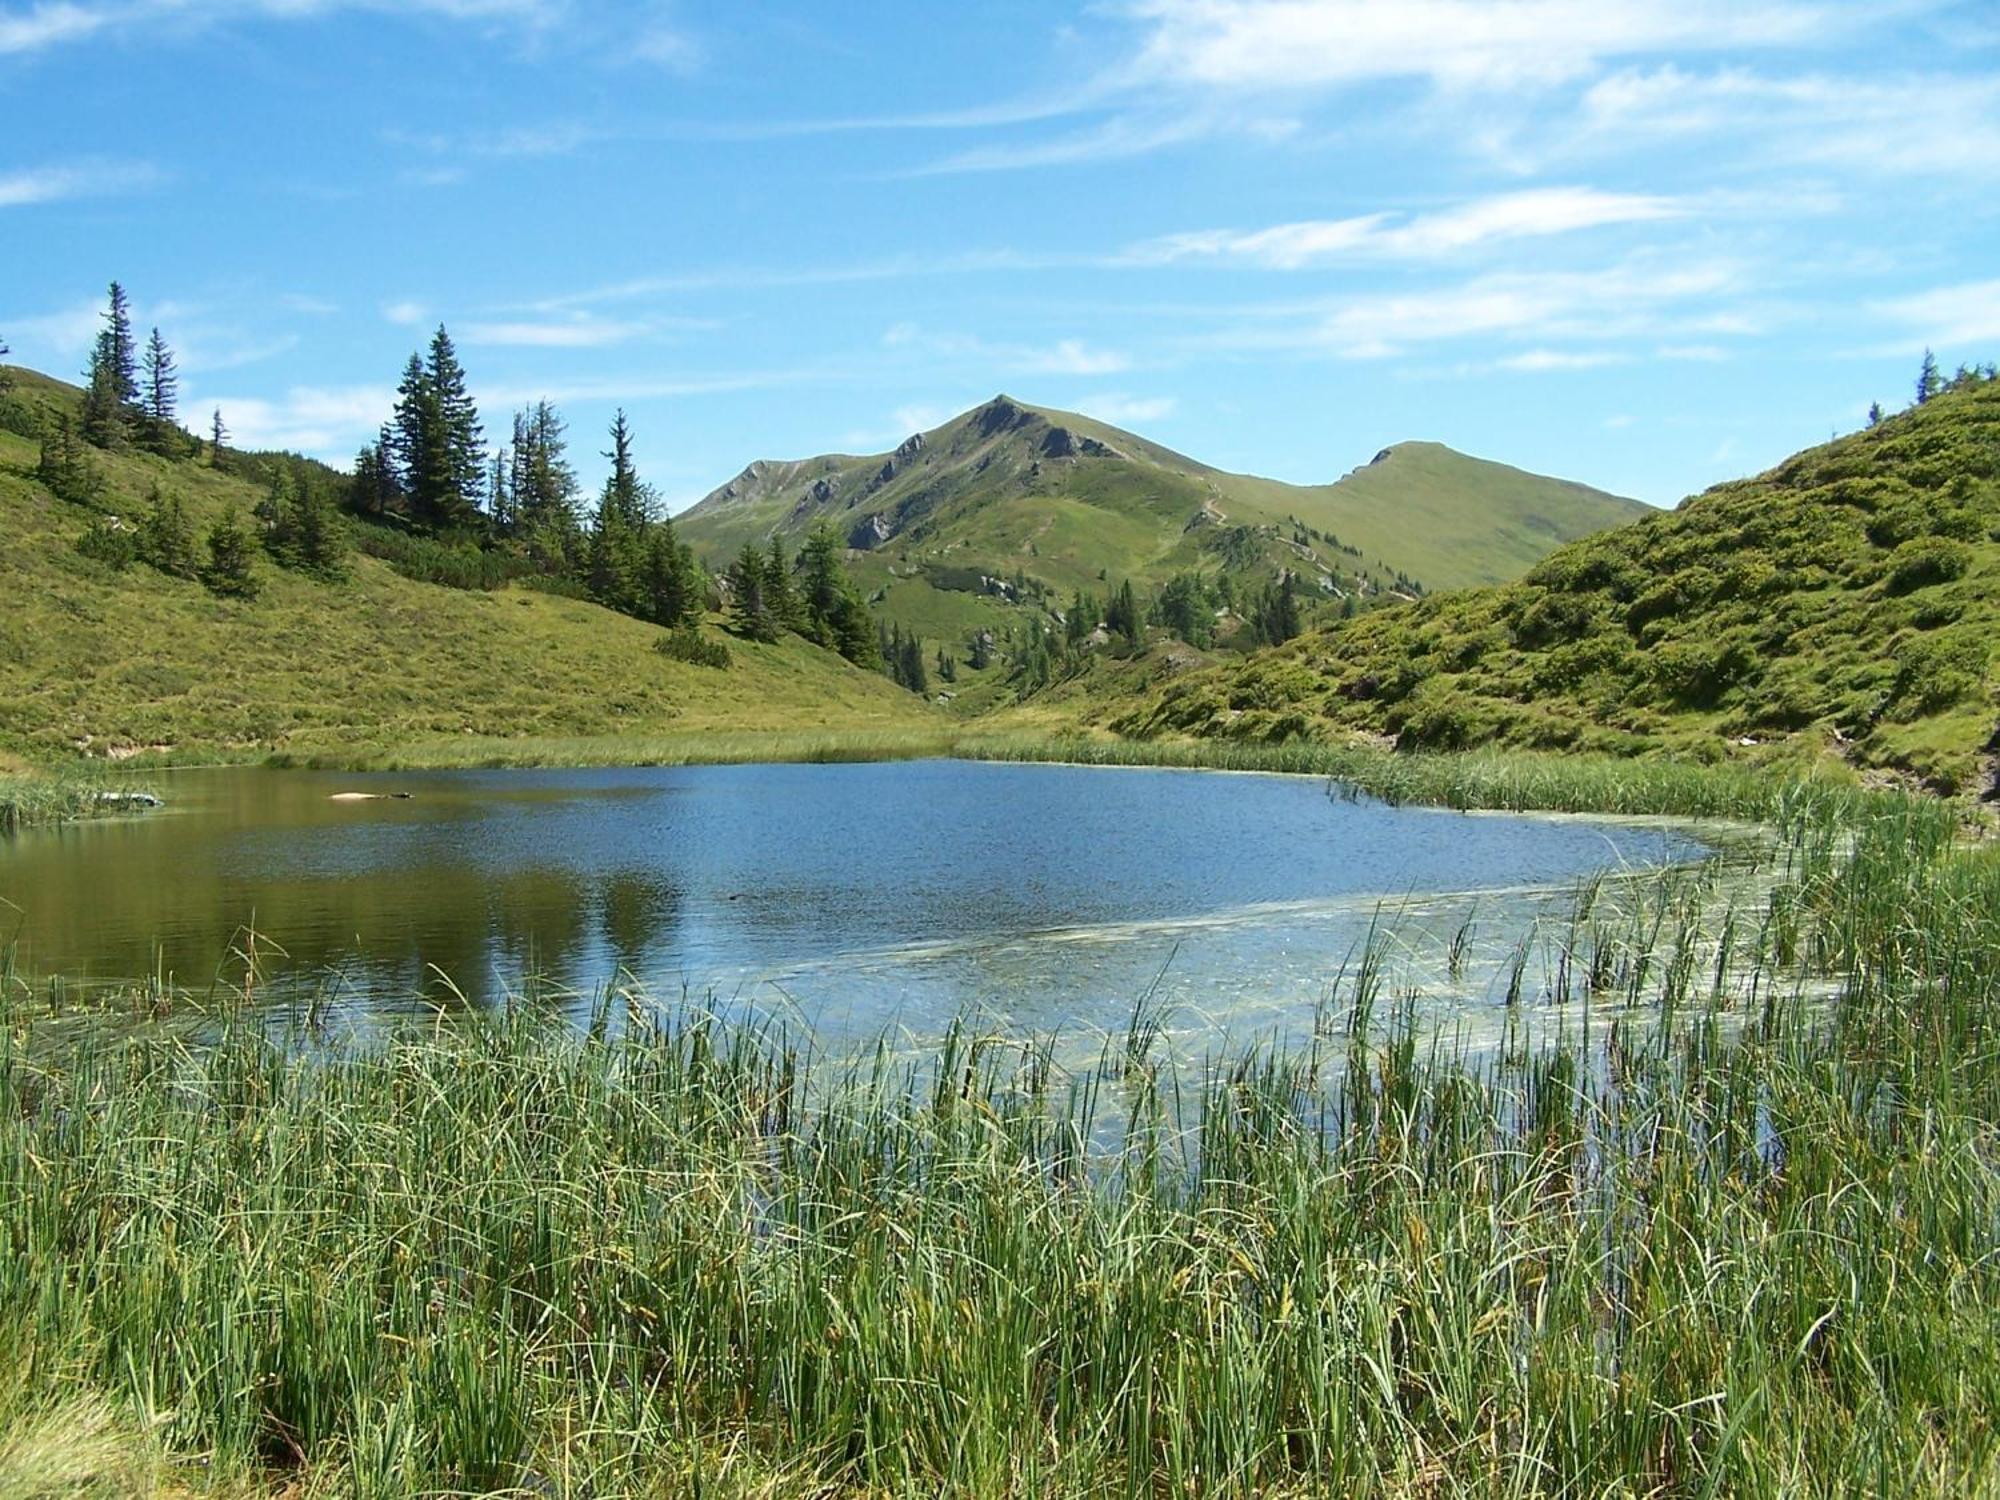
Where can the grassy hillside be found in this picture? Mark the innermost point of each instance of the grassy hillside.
(101, 660)
(1845, 603)
(1009, 510)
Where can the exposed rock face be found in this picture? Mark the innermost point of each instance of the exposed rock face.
(870, 531)
(1062, 443)
(1380, 457)
(1001, 415)
(824, 489)
(911, 446)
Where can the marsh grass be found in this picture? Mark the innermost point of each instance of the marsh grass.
(30, 799)
(1719, 1217)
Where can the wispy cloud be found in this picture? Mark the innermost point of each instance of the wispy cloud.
(1254, 45)
(1121, 410)
(328, 422)
(47, 25)
(1064, 357)
(567, 333)
(1640, 296)
(52, 184)
(55, 22)
(1917, 123)
(1964, 317)
(405, 313)
(1532, 213)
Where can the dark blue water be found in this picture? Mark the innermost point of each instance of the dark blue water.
(852, 897)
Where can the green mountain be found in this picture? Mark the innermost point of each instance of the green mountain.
(105, 659)
(1011, 507)
(1844, 604)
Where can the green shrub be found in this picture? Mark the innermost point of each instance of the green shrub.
(1927, 560)
(110, 542)
(687, 643)
(453, 564)
(1935, 672)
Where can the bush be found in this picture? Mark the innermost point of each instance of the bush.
(687, 643)
(1935, 672)
(451, 564)
(110, 542)
(1925, 561)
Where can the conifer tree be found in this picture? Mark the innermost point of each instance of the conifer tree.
(6, 375)
(780, 593)
(65, 469)
(166, 536)
(749, 610)
(162, 380)
(1875, 414)
(440, 455)
(230, 569)
(217, 436)
(1929, 382)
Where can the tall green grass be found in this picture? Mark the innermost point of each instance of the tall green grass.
(32, 799)
(1518, 781)
(1718, 1216)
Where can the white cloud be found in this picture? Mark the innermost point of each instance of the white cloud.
(1935, 123)
(1533, 213)
(327, 422)
(568, 333)
(405, 313)
(1121, 410)
(1255, 45)
(58, 21)
(1064, 357)
(77, 180)
(45, 25)
(1545, 361)
(1640, 296)
(1951, 317)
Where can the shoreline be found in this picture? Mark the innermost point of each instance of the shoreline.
(1479, 781)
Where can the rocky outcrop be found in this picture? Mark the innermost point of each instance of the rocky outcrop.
(872, 530)
(1001, 415)
(909, 448)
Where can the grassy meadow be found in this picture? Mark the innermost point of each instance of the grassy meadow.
(1717, 1216)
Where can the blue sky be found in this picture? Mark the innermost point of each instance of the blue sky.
(1648, 244)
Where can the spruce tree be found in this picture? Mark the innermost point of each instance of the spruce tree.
(166, 536)
(1875, 414)
(1929, 382)
(749, 611)
(65, 469)
(162, 381)
(106, 419)
(119, 345)
(462, 447)
(6, 375)
(780, 593)
(217, 436)
(231, 569)
(624, 495)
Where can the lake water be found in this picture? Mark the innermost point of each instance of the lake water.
(854, 898)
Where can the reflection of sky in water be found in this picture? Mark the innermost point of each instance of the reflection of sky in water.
(870, 896)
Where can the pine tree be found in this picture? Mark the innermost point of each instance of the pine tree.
(780, 594)
(6, 375)
(231, 569)
(1875, 414)
(1121, 615)
(162, 381)
(373, 490)
(65, 469)
(1929, 382)
(623, 493)
(912, 673)
(748, 609)
(106, 420)
(217, 436)
(118, 343)
(947, 669)
(440, 454)
(980, 650)
(166, 536)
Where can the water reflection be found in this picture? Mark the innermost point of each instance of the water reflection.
(865, 896)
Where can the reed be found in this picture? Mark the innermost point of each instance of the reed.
(1719, 1216)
